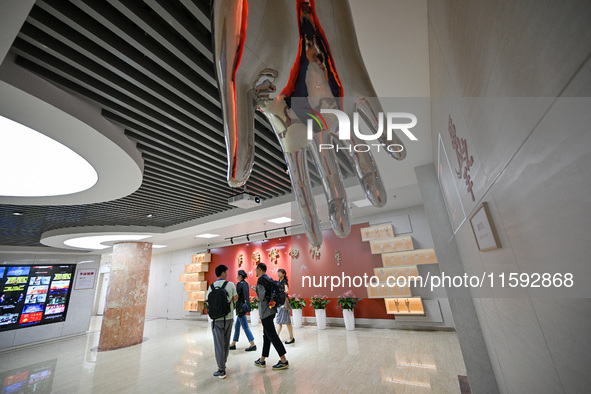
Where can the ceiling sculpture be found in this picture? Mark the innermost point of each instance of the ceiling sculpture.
(148, 65)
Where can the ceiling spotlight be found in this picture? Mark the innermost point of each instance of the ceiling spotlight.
(265, 234)
(18, 213)
(149, 215)
(285, 230)
(232, 241)
(247, 237)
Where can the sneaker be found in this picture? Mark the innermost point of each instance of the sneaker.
(233, 347)
(220, 374)
(290, 342)
(251, 349)
(259, 363)
(281, 365)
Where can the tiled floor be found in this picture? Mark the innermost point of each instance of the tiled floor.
(178, 358)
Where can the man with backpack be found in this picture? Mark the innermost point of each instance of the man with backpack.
(269, 295)
(221, 296)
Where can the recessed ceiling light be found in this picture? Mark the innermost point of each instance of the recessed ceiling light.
(149, 216)
(34, 165)
(96, 241)
(362, 203)
(207, 236)
(280, 220)
(18, 213)
(159, 246)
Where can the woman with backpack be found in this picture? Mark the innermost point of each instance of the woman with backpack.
(242, 308)
(284, 312)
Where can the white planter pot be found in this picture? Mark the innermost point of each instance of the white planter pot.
(297, 318)
(320, 318)
(254, 318)
(349, 317)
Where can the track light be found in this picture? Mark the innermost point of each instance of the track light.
(285, 230)
(232, 241)
(265, 234)
(247, 237)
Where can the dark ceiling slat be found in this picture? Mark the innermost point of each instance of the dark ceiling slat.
(140, 133)
(193, 32)
(200, 10)
(148, 58)
(164, 165)
(254, 183)
(157, 28)
(150, 202)
(155, 82)
(112, 94)
(205, 165)
(177, 108)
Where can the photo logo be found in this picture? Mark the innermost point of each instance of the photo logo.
(344, 128)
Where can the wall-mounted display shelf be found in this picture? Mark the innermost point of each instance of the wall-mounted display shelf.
(405, 306)
(383, 273)
(415, 257)
(382, 290)
(377, 232)
(387, 245)
(195, 283)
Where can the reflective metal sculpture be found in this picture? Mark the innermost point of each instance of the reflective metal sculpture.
(308, 50)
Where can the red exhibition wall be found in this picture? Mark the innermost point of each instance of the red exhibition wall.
(356, 260)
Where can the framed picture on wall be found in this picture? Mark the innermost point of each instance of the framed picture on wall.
(484, 229)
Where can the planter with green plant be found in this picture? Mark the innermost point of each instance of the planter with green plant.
(319, 303)
(348, 302)
(297, 304)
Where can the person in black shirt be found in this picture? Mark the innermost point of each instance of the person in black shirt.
(242, 308)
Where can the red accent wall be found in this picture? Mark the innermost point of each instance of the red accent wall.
(356, 260)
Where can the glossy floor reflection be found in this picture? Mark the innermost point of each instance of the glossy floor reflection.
(178, 358)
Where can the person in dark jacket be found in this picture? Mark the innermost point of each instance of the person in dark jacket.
(242, 308)
(268, 311)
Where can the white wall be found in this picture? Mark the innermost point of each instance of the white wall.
(166, 294)
(532, 164)
(79, 309)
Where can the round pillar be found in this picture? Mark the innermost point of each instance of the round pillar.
(125, 308)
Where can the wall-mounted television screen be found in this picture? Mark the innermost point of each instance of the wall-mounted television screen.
(31, 295)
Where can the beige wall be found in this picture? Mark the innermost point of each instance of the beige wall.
(515, 76)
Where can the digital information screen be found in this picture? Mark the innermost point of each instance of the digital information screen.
(32, 295)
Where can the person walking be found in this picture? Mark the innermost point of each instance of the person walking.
(284, 311)
(268, 312)
(221, 296)
(242, 308)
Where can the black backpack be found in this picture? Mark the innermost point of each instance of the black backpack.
(274, 291)
(218, 305)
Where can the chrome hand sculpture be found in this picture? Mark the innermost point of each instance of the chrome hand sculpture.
(309, 50)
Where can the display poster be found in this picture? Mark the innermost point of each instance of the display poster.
(34, 295)
(85, 279)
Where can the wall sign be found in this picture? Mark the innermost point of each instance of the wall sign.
(484, 229)
(85, 279)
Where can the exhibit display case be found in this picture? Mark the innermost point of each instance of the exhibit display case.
(195, 283)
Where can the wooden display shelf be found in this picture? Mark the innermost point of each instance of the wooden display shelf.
(198, 277)
(414, 257)
(405, 271)
(377, 232)
(197, 295)
(196, 268)
(397, 244)
(195, 306)
(382, 290)
(195, 286)
(201, 258)
(405, 306)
